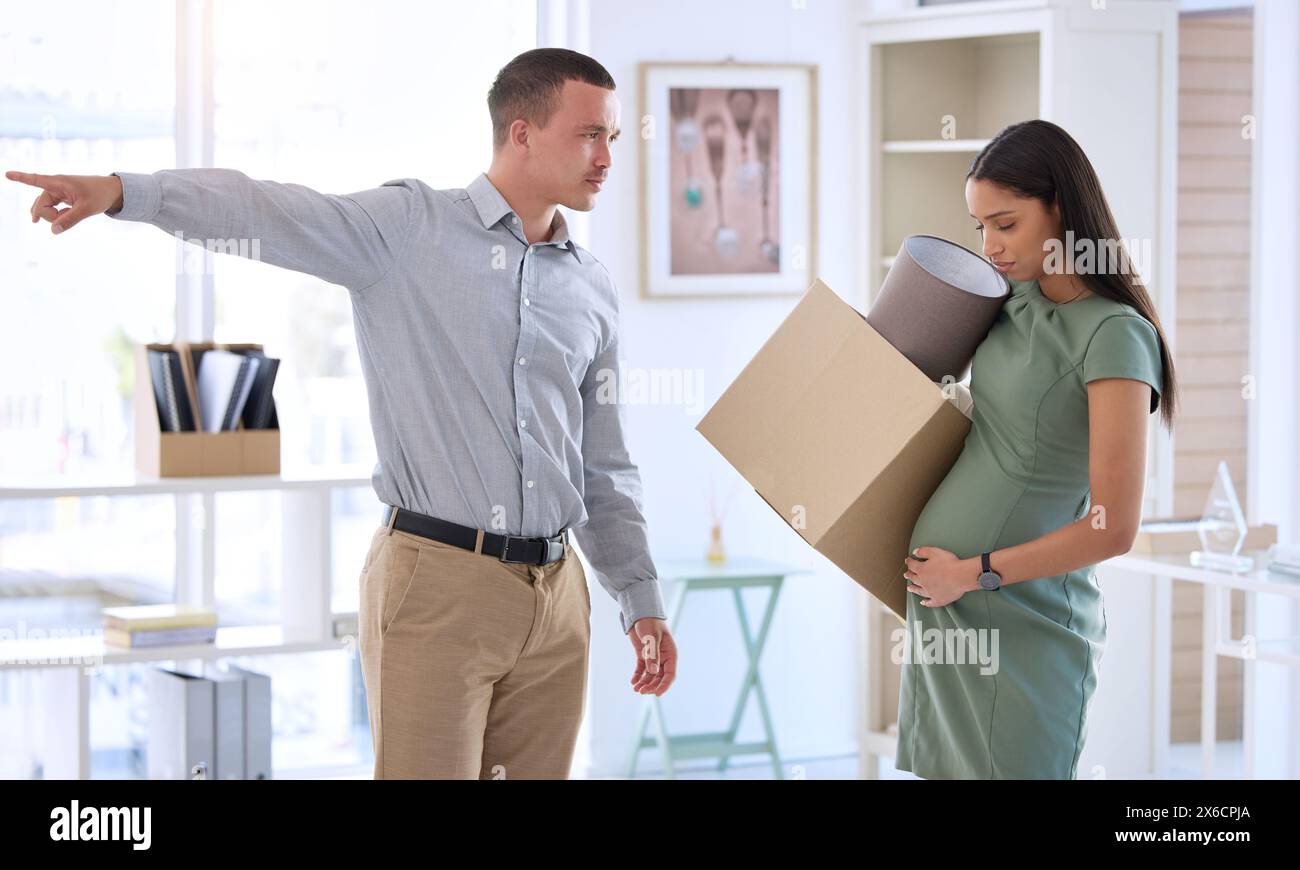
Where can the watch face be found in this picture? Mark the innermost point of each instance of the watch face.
(990, 580)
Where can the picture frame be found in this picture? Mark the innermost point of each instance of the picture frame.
(728, 179)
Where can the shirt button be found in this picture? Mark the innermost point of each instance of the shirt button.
(526, 302)
(530, 484)
(515, 221)
(523, 424)
(523, 362)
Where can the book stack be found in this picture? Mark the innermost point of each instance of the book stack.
(1284, 559)
(152, 625)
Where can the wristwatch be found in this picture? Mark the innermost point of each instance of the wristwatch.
(990, 580)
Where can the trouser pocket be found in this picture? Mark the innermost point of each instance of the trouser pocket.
(387, 580)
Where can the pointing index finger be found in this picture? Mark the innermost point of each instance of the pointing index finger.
(28, 178)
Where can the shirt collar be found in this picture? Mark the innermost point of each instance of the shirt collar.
(492, 207)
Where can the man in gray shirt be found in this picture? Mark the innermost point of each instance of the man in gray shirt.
(488, 340)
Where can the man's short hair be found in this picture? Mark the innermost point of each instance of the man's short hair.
(529, 87)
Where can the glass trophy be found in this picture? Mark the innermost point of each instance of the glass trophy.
(1222, 528)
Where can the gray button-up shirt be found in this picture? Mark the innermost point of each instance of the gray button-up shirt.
(488, 361)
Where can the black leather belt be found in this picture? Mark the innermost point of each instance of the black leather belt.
(507, 548)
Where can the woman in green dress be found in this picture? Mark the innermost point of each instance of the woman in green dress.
(998, 675)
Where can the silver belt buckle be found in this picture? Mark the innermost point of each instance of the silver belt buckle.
(505, 549)
(554, 550)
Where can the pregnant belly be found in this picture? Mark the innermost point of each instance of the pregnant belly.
(978, 507)
(968, 510)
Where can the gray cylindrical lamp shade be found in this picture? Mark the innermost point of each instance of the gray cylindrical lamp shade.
(937, 303)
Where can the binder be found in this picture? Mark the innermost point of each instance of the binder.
(174, 410)
(224, 382)
(181, 734)
(257, 723)
(228, 723)
(259, 411)
(239, 394)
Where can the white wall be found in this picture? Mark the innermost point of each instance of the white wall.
(810, 664)
(1274, 469)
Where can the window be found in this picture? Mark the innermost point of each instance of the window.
(318, 95)
(338, 96)
(75, 304)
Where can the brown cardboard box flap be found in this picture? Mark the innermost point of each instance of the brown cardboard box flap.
(840, 435)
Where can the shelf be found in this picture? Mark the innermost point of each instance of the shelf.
(66, 665)
(942, 11)
(134, 483)
(934, 146)
(968, 88)
(1178, 567)
(924, 193)
(91, 651)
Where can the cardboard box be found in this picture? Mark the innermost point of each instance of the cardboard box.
(842, 436)
(196, 454)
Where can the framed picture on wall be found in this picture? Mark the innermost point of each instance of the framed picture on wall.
(728, 179)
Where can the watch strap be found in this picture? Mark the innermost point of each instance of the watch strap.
(988, 569)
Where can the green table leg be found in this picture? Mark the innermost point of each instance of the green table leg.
(695, 744)
(752, 679)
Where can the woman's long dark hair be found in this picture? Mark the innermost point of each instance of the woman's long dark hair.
(1040, 160)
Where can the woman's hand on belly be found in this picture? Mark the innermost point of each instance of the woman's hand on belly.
(939, 577)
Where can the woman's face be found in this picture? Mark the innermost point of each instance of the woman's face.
(1015, 229)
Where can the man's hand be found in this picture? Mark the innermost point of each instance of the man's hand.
(85, 196)
(656, 660)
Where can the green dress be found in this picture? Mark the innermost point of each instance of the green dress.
(1002, 690)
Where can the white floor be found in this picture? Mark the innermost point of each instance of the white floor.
(1185, 760)
(1184, 763)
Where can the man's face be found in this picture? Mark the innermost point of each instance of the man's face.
(569, 158)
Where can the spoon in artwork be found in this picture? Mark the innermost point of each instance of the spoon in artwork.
(682, 103)
(715, 137)
(763, 142)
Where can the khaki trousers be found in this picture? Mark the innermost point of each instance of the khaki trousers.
(474, 668)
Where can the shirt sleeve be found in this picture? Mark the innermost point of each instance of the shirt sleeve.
(348, 239)
(1125, 346)
(614, 537)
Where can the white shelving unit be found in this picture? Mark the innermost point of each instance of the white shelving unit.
(940, 101)
(1266, 747)
(60, 486)
(933, 146)
(306, 624)
(941, 81)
